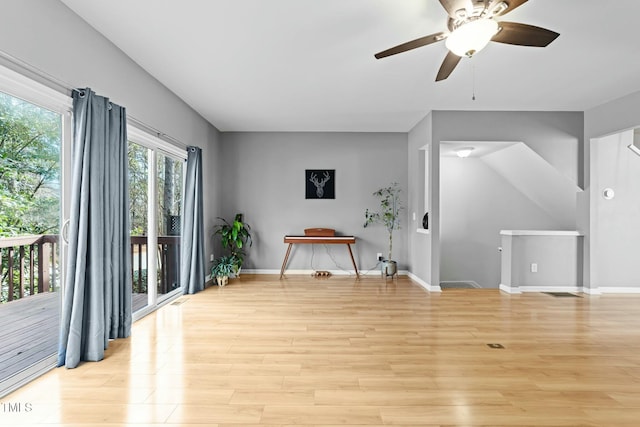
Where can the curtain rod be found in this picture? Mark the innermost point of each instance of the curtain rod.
(42, 77)
(34, 73)
(142, 126)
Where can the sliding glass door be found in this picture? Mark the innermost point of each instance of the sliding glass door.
(34, 147)
(156, 179)
(169, 208)
(138, 218)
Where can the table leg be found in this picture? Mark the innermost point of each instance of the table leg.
(353, 261)
(286, 258)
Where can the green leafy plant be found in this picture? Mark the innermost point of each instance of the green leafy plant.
(234, 237)
(389, 213)
(223, 266)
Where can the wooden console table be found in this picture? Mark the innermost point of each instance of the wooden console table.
(323, 240)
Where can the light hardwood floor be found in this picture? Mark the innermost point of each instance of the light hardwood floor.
(341, 351)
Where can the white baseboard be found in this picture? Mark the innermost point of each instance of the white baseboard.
(617, 290)
(258, 271)
(424, 284)
(509, 289)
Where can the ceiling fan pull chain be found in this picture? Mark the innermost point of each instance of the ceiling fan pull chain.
(473, 80)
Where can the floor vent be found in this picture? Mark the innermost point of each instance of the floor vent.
(179, 301)
(562, 294)
(458, 285)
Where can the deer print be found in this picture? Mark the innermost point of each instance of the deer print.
(320, 184)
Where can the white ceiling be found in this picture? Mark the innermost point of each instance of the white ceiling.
(308, 65)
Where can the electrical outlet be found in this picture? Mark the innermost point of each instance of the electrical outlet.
(534, 267)
(211, 258)
(379, 256)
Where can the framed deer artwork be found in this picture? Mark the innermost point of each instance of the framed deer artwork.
(320, 183)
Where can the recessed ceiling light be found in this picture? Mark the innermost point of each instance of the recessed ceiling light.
(464, 151)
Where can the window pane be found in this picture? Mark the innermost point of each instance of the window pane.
(30, 144)
(169, 211)
(138, 184)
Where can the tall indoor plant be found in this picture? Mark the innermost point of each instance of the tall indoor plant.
(235, 236)
(389, 216)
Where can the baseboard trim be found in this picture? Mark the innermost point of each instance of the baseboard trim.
(424, 284)
(617, 290)
(509, 289)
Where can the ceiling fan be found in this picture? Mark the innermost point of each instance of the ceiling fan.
(472, 25)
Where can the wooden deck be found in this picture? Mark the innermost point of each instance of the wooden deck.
(29, 329)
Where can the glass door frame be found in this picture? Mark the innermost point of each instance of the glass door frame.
(19, 86)
(155, 145)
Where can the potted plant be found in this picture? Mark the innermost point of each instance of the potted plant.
(389, 216)
(222, 269)
(234, 237)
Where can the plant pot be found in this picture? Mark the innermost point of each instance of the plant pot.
(222, 280)
(389, 268)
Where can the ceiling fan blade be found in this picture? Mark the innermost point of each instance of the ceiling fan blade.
(524, 35)
(413, 44)
(452, 6)
(448, 65)
(511, 5)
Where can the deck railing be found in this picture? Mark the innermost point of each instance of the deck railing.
(168, 263)
(29, 265)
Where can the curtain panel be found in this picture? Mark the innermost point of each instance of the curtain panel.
(97, 296)
(192, 268)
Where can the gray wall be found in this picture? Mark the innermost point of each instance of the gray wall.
(557, 258)
(607, 119)
(48, 36)
(616, 237)
(423, 261)
(263, 177)
(555, 136)
(476, 203)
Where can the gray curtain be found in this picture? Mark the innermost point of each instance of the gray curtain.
(97, 295)
(192, 265)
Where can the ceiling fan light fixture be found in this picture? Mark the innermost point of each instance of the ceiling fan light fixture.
(471, 37)
(500, 8)
(464, 152)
